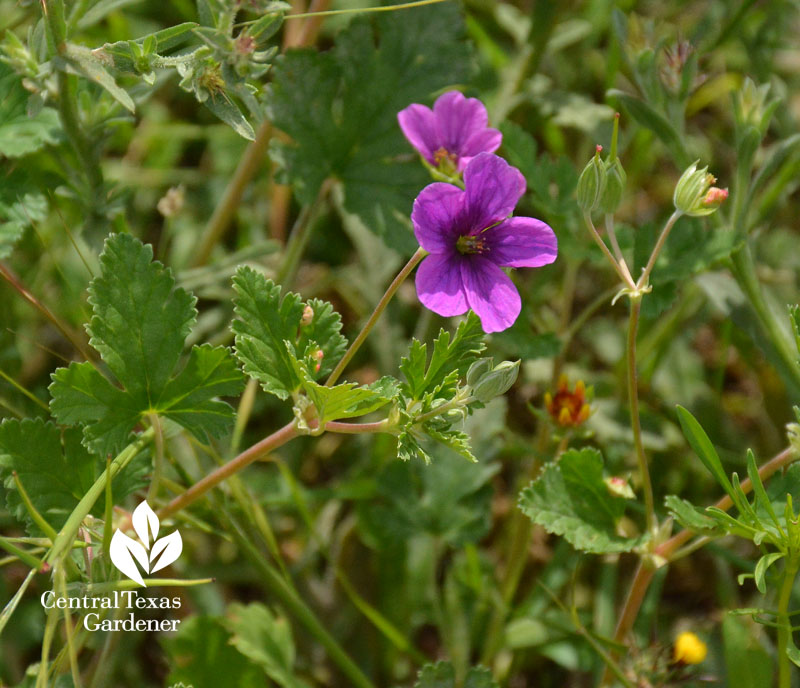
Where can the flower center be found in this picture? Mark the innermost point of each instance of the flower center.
(469, 244)
(446, 161)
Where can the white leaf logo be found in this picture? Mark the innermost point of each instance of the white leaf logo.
(126, 552)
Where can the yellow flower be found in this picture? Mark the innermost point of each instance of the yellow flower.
(689, 649)
(568, 408)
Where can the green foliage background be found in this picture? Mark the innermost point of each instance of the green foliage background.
(354, 529)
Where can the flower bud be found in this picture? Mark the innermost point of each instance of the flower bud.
(496, 381)
(619, 487)
(307, 317)
(591, 183)
(478, 369)
(615, 178)
(694, 194)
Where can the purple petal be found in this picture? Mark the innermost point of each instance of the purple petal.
(484, 141)
(439, 286)
(490, 293)
(419, 127)
(435, 217)
(457, 119)
(493, 188)
(521, 242)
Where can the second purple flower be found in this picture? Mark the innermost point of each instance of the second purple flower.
(451, 134)
(470, 236)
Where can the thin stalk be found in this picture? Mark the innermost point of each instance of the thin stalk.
(626, 279)
(243, 414)
(744, 271)
(67, 533)
(158, 456)
(645, 572)
(612, 235)
(636, 425)
(7, 274)
(300, 235)
(365, 10)
(658, 247)
(390, 292)
(69, 630)
(359, 428)
(47, 640)
(257, 451)
(24, 391)
(25, 557)
(232, 197)
(290, 599)
(785, 627)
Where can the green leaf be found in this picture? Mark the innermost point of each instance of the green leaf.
(266, 321)
(762, 565)
(440, 499)
(266, 640)
(19, 133)
(20, 206)
(442, 675)
(571, 499)
(224, 108)
(139, 327)
(88, 65)
(646, 116)
(201, 655)
(340, 108)
(346, 400)
(54, 468)
(450, 360)
(747, 663)
(689, 516)
(705, 451)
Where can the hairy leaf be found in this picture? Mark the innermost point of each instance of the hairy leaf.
(571, 499)
(266, 322)
(54, 468)
(19, 133)
(139, 326)
(452, 356)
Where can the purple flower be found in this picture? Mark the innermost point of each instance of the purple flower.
(470, 237)
(451, 134)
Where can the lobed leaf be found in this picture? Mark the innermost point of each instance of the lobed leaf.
(139, 327)
(571, 499)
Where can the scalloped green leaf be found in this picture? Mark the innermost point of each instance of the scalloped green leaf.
(571, 499)
(139, 327)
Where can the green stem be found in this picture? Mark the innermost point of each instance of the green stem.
(785, 627)
(158, 457)
(633, 400)
(626, 279)
(364, 10)
(231, 199)
(390, 292)
(63, 541)
(662, 239)
(744, 271)
(257, 451)
(300, 236)
(294, 604)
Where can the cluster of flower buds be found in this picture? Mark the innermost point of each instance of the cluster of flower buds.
(602, 182)
(695, 193)
(487, 380)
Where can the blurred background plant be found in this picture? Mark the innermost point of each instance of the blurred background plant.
(227, 132)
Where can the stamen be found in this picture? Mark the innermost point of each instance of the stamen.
(468, 244)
